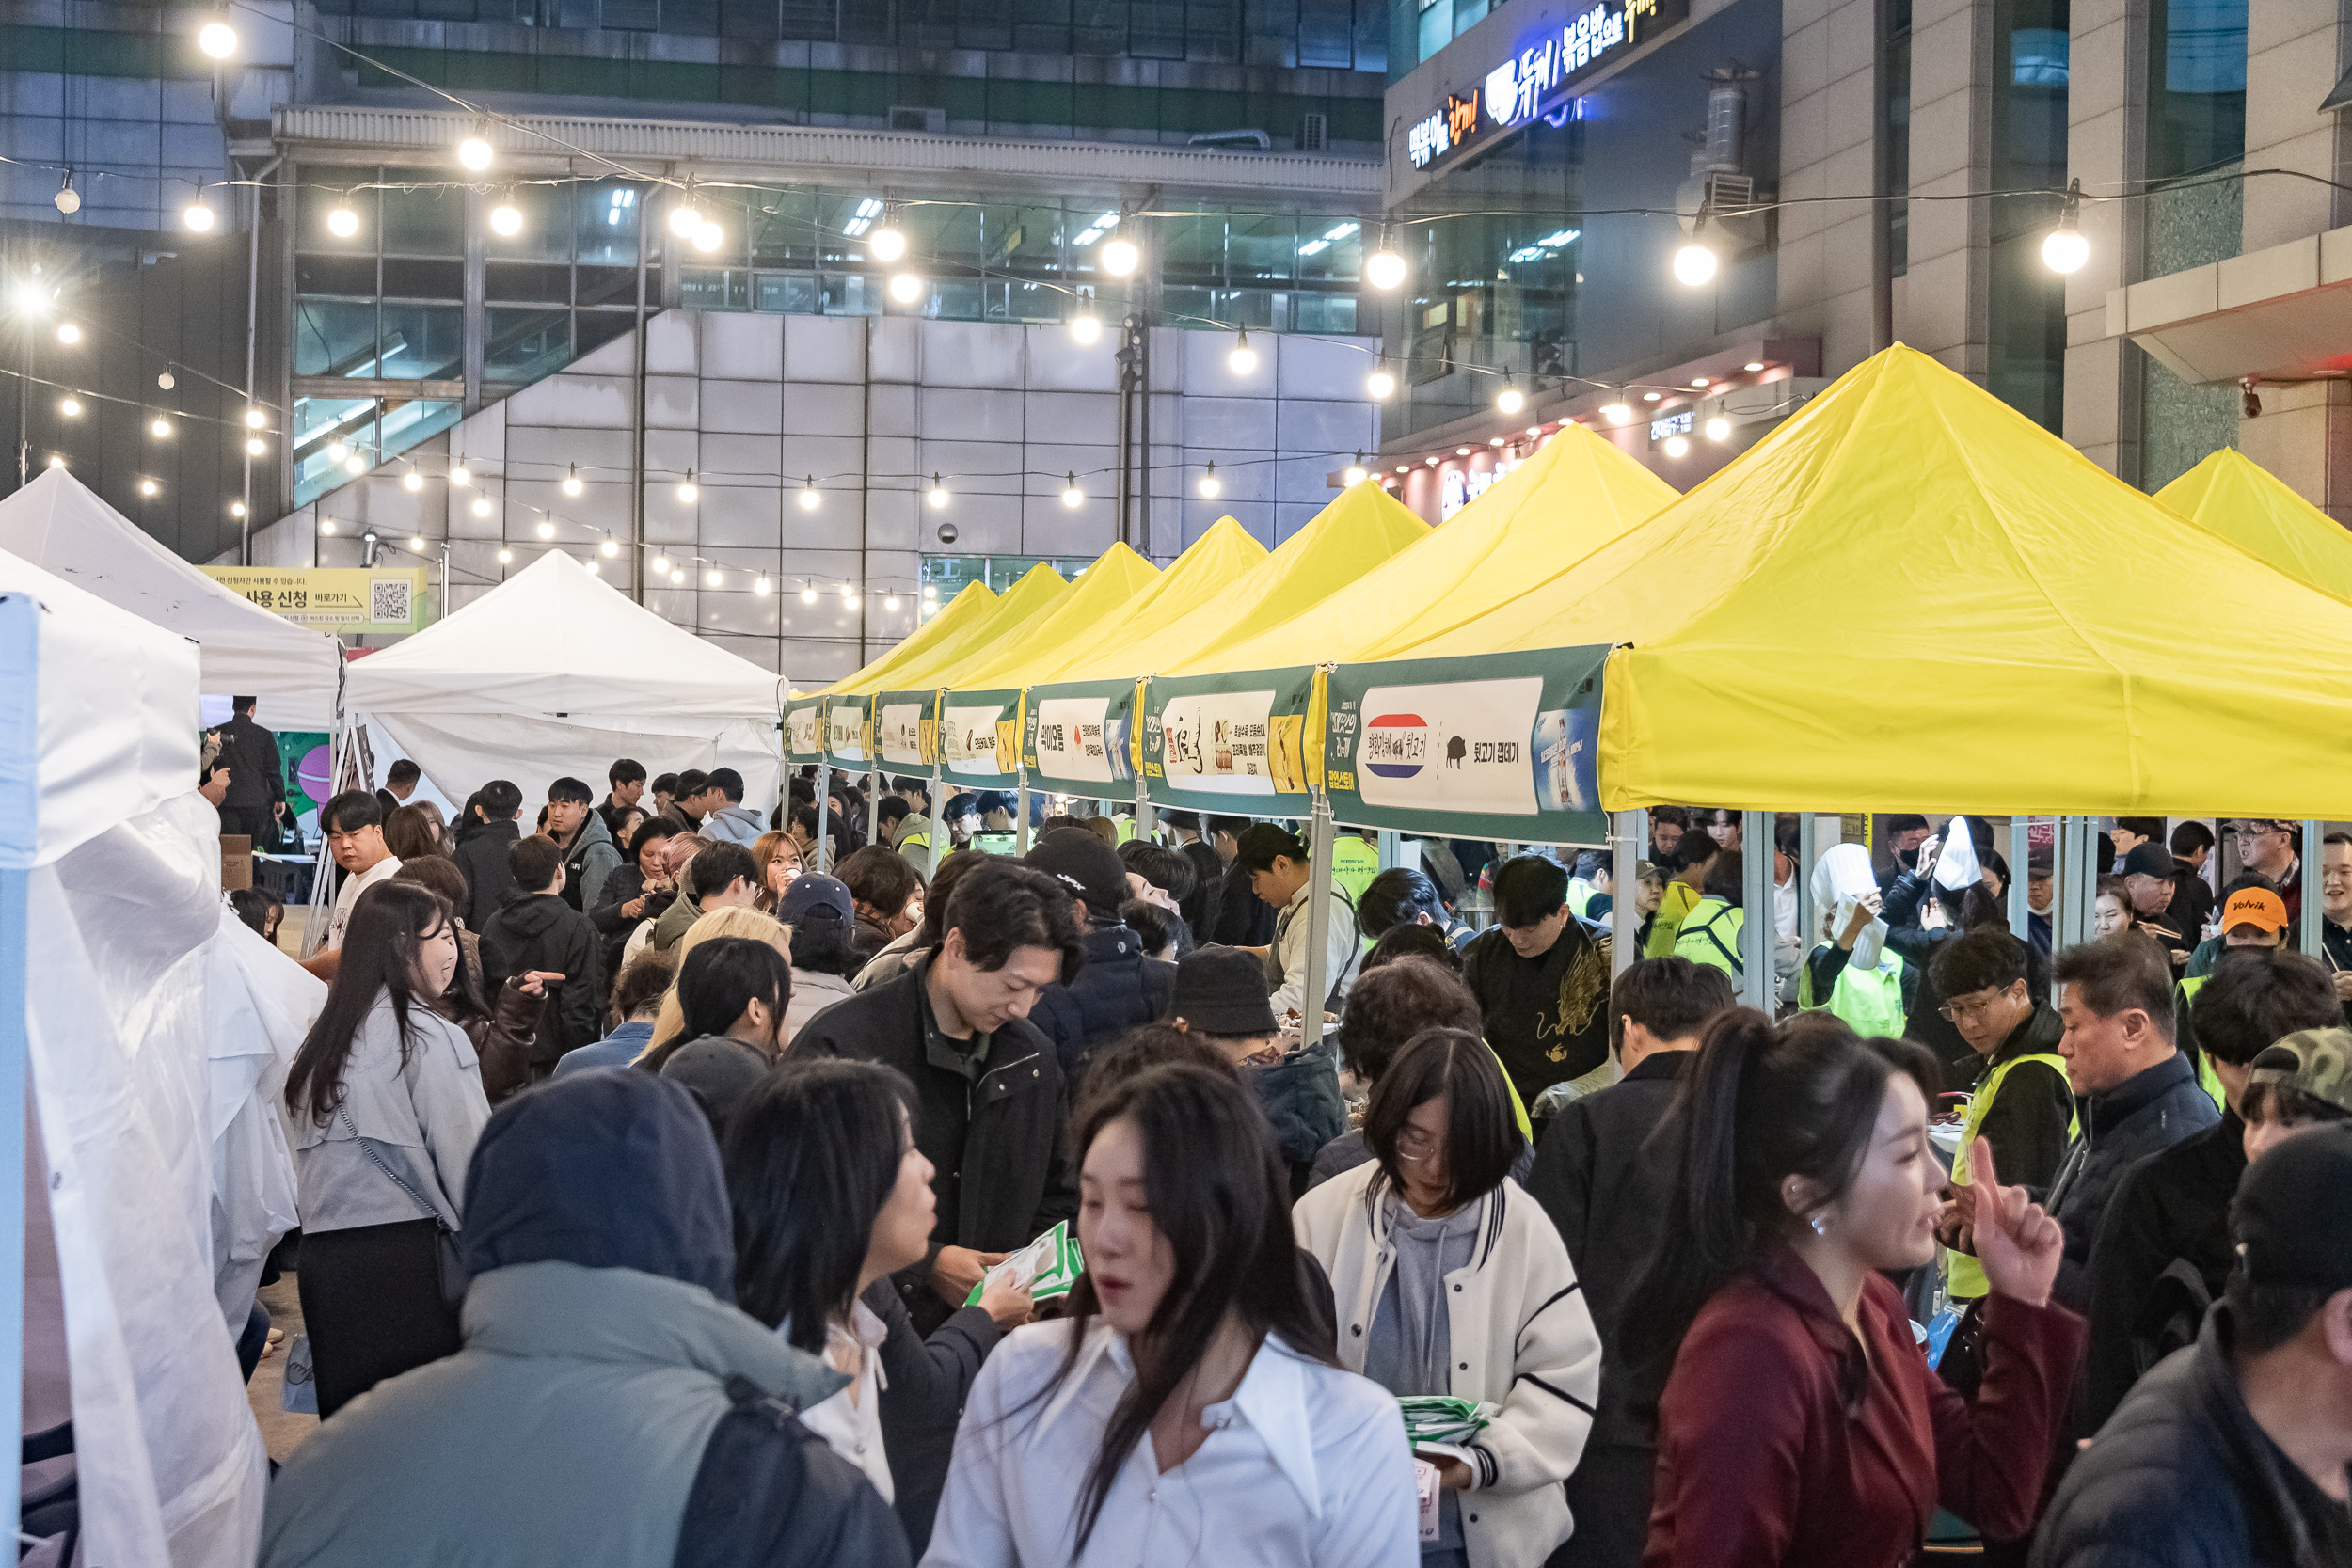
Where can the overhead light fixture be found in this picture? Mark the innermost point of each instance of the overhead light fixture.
(255, 419)
(860, 221)
(1510, 399)
(1355, 474)
(906, 288)
(216, 39)
(1616, 412)
(474, 152)
(938, 493)
(412, 480)
(461, 476)
(546, 528)
(1676, 446)
(482, 506)
(1718, 429)
(2064, 249)
(571, 485)
(70, 407)
(609, 548)
(1244, 358)
(148, 487)
(1210, 486)
(67, 199)
(341, 221)
(506, 219)
(688, 489)
(1086, 327)
(1701, 381)
(68, 333)
(1752, 366)
(811, 498)
(1494, 441)
(256, 447)
(1384, 268)
(160, 428)
(1695, 265)
(506, 557)
(197, 217)
(1070, 495)
(337, 452)
(1650, 397)
(1117, 257)
(889, 242)
(808, 593)
(760, 585)
(356, 464)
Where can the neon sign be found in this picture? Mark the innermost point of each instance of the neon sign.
(1513, 91)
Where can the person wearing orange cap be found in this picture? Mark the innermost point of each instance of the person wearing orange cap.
(2250, 917)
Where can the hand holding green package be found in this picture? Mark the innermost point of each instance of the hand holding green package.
(1048, 1266)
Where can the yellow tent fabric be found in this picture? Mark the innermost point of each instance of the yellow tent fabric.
(962, 612)
(1361, 528)
(1025, 603)
(1201, 573)
(1118, 580)
(2251, 507)
(1912, 598)
(1578, 492)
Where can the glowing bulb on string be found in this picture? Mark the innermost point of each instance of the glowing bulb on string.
(1071, 495)
(1380, 386)
(342, 222)
(356, 464)
(709, 238)
(70, 407)
(712, 579)
(1244, 358)
(808, 594)
(810, 497)
(506, 220)
(1693, 264)
(688, 489)
(506, 558)
(1510, 399)
(482, 506)
(571, 485)
(337, 452)
(255, 419)
(760, 586)
(160, 428)
(1119, 257)
(461, 476)
(1676, 446)
(1718, 429)
(198, 216)
(68, 333)
(886, 244)
(905, 287)
(1086, 328)
(412, 480)
(256, 447)
(1384, 269)
(474, 152)
(2064, 249)
(938, 494)
(546, 530)
(609, 548)
(1210, 486)
(217, 39)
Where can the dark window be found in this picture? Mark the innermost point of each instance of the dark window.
(410, 280)
(335, 275)
(530, 281)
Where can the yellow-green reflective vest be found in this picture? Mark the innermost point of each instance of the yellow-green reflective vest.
(2207, 1079)
(1710, 934)
(1580, 897)
(1869, 999)
(1964, 1274)
(1667, 924)
(1354, 864)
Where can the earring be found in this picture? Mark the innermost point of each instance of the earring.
(1820, 1225)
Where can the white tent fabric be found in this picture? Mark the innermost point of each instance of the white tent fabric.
(129, 1025)
(555, 672)
(60, 526)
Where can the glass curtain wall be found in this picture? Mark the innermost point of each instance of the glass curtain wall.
(2027, 304)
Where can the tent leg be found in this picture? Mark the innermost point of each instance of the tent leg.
(1391, 849)
(2309, 939)
(1021, 823)
(1808, 919)
(315, 918)
(824, 793)
(1760, 937)
(1627, 832)
(876, 782)
(20, 798)
(1143, 811)
(2020, 906)
(1318, 922)
(938, 805)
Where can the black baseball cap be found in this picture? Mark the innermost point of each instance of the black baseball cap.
(1222, 991)
(1261, 842)
(1090, 868)
(2148, 860)
(2292, 1215)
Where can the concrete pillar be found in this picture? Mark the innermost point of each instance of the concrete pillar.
(2304, 435)
(1830, 93)
(2293, 54)
(2106, 108)
(1941, 304)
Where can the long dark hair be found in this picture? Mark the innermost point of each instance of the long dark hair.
(389, 922)
(1482, 1131)
(1761, 1103)
(1220, 1196)
(812, 1154)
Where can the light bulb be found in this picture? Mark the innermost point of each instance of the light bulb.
(506, 558)
(1510, 399)
(1117, 257)
(678, 578)
(1677, 447)
(70, 407)
(412, 481)
(1384, 269)
(2064, 249)
(712, 579)
(1210, 486)
(609, 548)
(688, 489)
(886, 244)
(546, 530)
(1380, 386)
(1719, 429)
(661, 565)
(572, 485)
(809, 594)
(326, 525)
(67, 199)
(849, 601)
(417, 544)
(148, 487)
(236, 509)
(1071, 495)
(1752, 366)
(482, 506)
(1355, 474)
(596, 569)
(216, 39)
(891, 602)
(461, 476)
(1086, 328)
(342, 223)
(474, 153)
(256, 447)
(506, 220)
(1695, 265)
(68, 333)
(760, 586)
(1244, 358)
(255, 419)
(198, 216)
(811, 498)
(930, 590)
(337, 452)
(160, 428)
(905, 287)
(356, 464)
(685, 220)
(1616, 412)
(709, 238)
(938, 496)
(166, 381)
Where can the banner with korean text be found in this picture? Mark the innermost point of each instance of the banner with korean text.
(1235, 742)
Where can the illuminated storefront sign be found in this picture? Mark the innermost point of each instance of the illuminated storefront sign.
(1515, 91)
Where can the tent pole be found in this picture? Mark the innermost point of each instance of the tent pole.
(20, 804)
(1391, 849)
(1143, 810)
(1318, 923)
(1628, 830)
(876, 780)
(1808, 919)
(1021, 825)
(2310, 938)
(939, 827)
(314, 918)
(1760, 937)
(824, 793)
(2020, 906)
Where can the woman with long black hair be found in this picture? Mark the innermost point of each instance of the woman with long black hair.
(1800, 1422)
(831, 1198)
(1189, 1409)
(384, 1104)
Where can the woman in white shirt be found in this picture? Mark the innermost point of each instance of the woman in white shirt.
(385, 1101)
(831, 1198)
(1189, 1410)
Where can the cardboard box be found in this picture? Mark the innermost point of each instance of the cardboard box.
(236, 862)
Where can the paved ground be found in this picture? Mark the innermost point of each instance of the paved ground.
(282, 1432)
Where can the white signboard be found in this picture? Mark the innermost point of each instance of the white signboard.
(973, 744)
(1222, 743)
(845, 732)
(1464, 746)
(1072, 742)
(901, 734)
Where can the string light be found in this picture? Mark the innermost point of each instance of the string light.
(888, 243)
(506, 557)
(571, 485)
(686, 220)
(256, 447)
(609, 548)
(891, 603)
(2064, 249)
(412, 480)
(482, 506)
(148, 487)
(474, 152)
(808, 593)
(712, 577)
(1719, 429)
(70, 407)
(326, 525)
(236, 509)
(1071, 495)
(688, 489)
(1616, 412)
(594, 569)
(709, 237)
(461, 476)
(1510, 399)
(506, 219)
(1210, 486)
(337, 452)
(255, 419)
(760, 585)
(67, 199)
(68, 333)
(1117, 257)
(661, 565)
(1380, 386)
(930, 590)
(197, 217)
(1384, 269)
(165, 380)
(56, 459)
(342, 222)
(417, 544)
(216, 39)
(1244, 358)
(357, 465)
(1695, 265)
(810, 497)
(938, 495)
(160, 428)
(1086, 328)
(905, 287)
(1355, 474)
(1677, 447)
(547, 529)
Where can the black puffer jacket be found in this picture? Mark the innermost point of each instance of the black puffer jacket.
(2153, 1109)
(1117, 989)
(2182, 1478)
(538, 930)
(481, 854)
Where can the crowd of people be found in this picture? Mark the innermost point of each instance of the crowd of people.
(685, 1184)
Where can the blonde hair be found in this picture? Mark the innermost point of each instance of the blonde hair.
(735, 920)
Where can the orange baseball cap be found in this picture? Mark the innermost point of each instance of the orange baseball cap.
(2255, 907)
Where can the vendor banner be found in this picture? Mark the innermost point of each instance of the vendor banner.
(848, 733)
(902, 730)
(340, 599)
(1501, 746)
(979, 738)
(805, 729)
(1235, 742)
(1077, 737)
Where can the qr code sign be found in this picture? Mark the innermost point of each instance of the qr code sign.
(388, 599)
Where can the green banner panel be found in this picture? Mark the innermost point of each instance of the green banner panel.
(1074, 739)
(902, 730)
(980, 739)
(1502, 746)
(848, 733)
(1232, 742)
(805, 729)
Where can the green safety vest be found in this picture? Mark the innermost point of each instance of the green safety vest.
(1677, 902)
(1354, 864)
(1871, 999)
(1580, 897)
(2207, 1079)
(1710, 934)
(1964, 1275)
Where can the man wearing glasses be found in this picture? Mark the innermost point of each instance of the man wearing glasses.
(2268, 846)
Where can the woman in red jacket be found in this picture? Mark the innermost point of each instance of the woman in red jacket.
(1800, 1423)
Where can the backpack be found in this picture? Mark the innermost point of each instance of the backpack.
(769, 1494)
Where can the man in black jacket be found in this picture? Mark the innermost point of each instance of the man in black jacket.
(535, 931)
(257, 778)
(2236, 1450)
(991, 1102)
(482, 846)
(2163, 1253)
(1238, 918)
(1606, 1183)
(1118, 987)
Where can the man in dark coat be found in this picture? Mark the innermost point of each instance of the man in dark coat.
(2235, 1451)
(482, 846)
(1239, 918)
(1118, 987)
(1606, 1185)
(534, 930)
(991, 1105)
(257, 778)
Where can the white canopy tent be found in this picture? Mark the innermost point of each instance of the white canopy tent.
(156, 1042)
(557, 672)
(57, 524)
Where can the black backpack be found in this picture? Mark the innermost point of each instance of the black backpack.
(769, 1494)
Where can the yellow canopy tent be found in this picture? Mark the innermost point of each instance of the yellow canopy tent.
(967, 609)
(1025, 603)
(1910, 596)
(2246, 503)
(1578, 492)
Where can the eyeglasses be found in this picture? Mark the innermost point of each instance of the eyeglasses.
(1965, 1010)
(1414, 1144)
